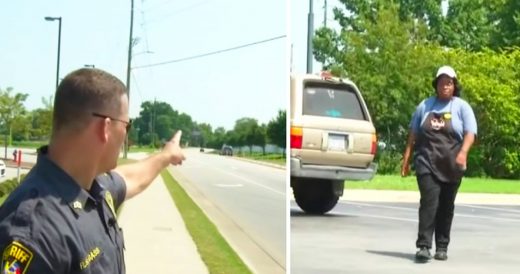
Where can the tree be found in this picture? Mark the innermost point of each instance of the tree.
(11, 107)
(21, 126)
(258, 137)
(469, 24)
(41, 120)
(185, 123)
(219, 138)
(506, 24)
(245, 130)
(158, 121)
(276, 130)
(205, 134)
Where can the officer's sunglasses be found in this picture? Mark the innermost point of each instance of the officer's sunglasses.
(128, 124)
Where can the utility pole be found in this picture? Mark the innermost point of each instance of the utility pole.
(128, 69)
(154, 114)
(291, 64)
(325, 14)
(310, 31)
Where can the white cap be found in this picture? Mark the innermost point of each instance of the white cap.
(446, 70)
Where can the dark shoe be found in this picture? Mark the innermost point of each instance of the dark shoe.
(423, 254)
(441, 255)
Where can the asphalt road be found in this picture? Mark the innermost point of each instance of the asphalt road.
(250, 196)
(376, 237)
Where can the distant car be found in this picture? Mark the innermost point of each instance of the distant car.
(226, 150)
(2, 168)
(201, 149)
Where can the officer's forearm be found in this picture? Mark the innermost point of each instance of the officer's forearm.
(138, 176)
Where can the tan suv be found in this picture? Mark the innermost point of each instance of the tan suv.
(332, 140)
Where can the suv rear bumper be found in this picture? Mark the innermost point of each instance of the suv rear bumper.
(331, 172)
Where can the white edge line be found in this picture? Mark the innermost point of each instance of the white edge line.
(456, 214)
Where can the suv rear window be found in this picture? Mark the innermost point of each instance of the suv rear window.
(332, 100)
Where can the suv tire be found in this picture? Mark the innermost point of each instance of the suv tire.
(315, 196)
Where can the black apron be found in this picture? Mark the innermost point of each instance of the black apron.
(436, 147)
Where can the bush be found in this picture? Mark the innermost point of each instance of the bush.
(9, 185)
(388, 162)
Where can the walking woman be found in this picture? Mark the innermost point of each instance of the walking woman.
(442, 131)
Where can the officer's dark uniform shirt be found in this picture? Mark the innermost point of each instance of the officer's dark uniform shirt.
(49, 224)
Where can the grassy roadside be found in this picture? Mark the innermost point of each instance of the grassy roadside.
(26, 144)
(142, 149)
(269, 158)
(216, 253)
(469, 185)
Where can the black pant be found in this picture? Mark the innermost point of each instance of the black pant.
(435, 211)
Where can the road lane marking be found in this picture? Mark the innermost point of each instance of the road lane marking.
(250, 181)
(365, 215)
(456, 214)
(492, 208)
(229, 185)
(232, 174)
(383, 206)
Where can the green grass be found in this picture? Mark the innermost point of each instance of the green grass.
(142, 149)
(278, 159)
(122, 161)
(216, 253)
(27, 144)
(469, 185)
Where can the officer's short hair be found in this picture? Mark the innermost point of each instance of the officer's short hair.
(83, 92)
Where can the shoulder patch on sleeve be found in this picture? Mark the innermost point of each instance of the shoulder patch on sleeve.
(16, 258)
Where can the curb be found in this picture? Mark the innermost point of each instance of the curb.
(414, 197)
(259, 162)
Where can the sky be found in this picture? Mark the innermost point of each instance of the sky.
(216, 89)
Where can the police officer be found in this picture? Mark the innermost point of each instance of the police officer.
(62, 217)
(442, 130)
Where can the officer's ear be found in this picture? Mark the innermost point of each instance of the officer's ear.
(102, 129)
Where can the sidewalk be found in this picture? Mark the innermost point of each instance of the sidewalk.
(156, 239)
(414, 197)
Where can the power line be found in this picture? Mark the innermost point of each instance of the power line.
(158, 19)
(210, 53)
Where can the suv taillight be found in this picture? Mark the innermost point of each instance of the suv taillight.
(296, 137)
(373, 150)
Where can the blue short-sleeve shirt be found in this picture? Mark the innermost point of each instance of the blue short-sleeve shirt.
(462, 117)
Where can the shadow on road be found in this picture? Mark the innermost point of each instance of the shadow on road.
(408, 256)
(299, 213)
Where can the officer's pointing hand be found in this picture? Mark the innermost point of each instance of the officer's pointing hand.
(174, 150)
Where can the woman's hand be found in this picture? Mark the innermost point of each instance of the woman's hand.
(405, 169)
(461, 159)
